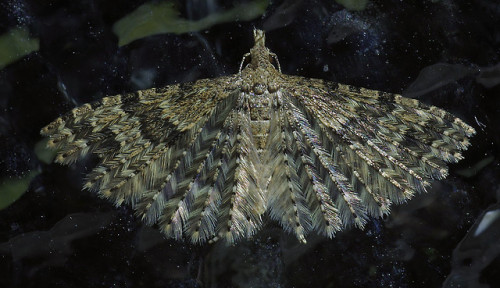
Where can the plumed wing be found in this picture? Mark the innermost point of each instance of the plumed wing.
(177, 154)
(348, 153)
(298, 197)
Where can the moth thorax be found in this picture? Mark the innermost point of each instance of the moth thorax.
(260, 112)
(261, 88)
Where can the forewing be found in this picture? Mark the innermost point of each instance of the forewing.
(170, 152)
(360, 151)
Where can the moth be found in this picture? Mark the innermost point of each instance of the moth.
(206, 160)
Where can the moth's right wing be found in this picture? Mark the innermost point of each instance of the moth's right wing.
(175, 153)
(342, 154)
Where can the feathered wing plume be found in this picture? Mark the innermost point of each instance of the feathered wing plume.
(299, 196)
(345, 153)
(204, 160)
(181, 155)
(338, 154)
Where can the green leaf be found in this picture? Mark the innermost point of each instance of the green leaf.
(158, 18)
(43, 153)
(353, 5)
(13, 189)
(16, 44)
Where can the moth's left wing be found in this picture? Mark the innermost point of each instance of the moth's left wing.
(364, 148)
(171, 152)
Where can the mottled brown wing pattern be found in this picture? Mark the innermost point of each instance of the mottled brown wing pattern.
(179, 154)
(298, 195)
(205, 160)
(367, 148)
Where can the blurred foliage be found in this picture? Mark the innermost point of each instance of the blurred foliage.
(16, 44)
(13, 189)
(474, 170)
(43, 153)
(353, 5)
(157, 18)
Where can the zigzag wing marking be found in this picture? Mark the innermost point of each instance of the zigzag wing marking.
(140, 137)
(242, 200)
(190, 180)
(372, 162)
(202, 219)
(325, 174)
(285, 197)
(388, 145)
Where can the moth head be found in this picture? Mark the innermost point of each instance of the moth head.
(259, 37)
(260, 56)
(260, 73)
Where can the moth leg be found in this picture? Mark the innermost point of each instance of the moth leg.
(277, 61)
(243, 61)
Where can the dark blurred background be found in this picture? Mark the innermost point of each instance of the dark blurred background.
(55, 55)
